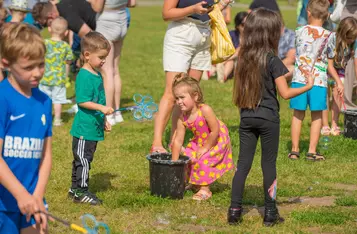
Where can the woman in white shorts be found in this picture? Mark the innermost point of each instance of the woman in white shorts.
(186, 49)
(112, 22)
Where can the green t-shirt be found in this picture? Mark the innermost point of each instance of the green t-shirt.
(57, 55)
(89, 124)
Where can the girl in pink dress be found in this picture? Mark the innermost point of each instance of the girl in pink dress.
(210, 149)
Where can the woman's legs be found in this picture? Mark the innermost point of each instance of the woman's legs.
(118, 45)
(108, 77)
(162, 116)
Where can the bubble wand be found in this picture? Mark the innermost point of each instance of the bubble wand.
(87, 219)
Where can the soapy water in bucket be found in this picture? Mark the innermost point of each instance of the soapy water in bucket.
(324, 142)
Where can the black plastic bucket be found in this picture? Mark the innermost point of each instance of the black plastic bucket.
(350, 124)
(167, 177)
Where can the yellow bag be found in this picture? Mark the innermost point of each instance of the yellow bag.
(221, 42)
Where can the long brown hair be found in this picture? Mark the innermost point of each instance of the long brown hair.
(347, 29)
(262, 30)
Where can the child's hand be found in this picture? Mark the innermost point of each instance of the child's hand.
(107, 126)
(310, 80)
(201, 151)
(340, 89)
(107, 110)
(30, 206)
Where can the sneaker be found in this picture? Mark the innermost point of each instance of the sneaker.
(118, 117)
(234, 216)
(87, 197)
(71, 193)
(57, 122)
(111, 119)
(73, 109)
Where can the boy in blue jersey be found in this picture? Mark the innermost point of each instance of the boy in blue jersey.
(25, 132)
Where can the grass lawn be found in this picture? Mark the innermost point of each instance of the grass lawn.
(120, 171)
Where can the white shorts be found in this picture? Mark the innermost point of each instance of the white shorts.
(187, 45)
(56, 93)
(112, 24)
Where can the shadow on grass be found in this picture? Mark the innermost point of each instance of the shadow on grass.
(66, 117)
(303, 145)
(101, 182)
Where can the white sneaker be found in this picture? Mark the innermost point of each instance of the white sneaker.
(57, 122)
(118, 117)
(73, 109)
(111, 119)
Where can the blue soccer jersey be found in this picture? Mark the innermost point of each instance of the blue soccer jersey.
(24, 125)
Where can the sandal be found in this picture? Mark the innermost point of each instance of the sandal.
(325, 131)
(315, 157)
(293, 155)
(202, 195)
(157, 149)
(335, 131)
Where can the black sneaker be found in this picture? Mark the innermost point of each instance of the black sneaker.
(234, 215)
(71, 193)
(272, 217)
(86, 197)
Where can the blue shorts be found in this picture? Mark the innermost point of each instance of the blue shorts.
(13, 222)
(316, 98)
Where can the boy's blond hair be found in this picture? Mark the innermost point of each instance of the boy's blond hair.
(319, 9)
(59, 26)
(21, 40)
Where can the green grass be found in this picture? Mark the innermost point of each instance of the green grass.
(120, 171)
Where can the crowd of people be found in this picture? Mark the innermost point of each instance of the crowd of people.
(321, 55)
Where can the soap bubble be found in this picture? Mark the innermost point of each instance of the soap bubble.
(324, 142)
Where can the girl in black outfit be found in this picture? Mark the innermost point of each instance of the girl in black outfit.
(258, 73)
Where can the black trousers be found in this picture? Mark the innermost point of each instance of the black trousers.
(83, 153)
(249, 132)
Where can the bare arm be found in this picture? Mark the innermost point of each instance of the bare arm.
(332, 71)
(355, 62)
(286, 92)
(213, 125)
(227, 17)
(45, 169)
(95, 106)
(289, 57)
(97, 5)
(84, 30)
(178, 140)
(170, 12)
(131, 3)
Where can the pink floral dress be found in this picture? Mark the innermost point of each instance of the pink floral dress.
(215, 162)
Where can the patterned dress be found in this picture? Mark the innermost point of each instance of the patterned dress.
(215, 162)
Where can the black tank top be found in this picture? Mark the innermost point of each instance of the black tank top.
(186, 3)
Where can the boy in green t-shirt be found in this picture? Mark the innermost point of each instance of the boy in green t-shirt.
(90, 121)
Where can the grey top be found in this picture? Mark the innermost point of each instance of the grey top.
(111, 4)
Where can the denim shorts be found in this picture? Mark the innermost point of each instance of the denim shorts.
(316, 98)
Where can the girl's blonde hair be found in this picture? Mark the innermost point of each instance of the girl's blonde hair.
(346, 30)
(182, 79)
